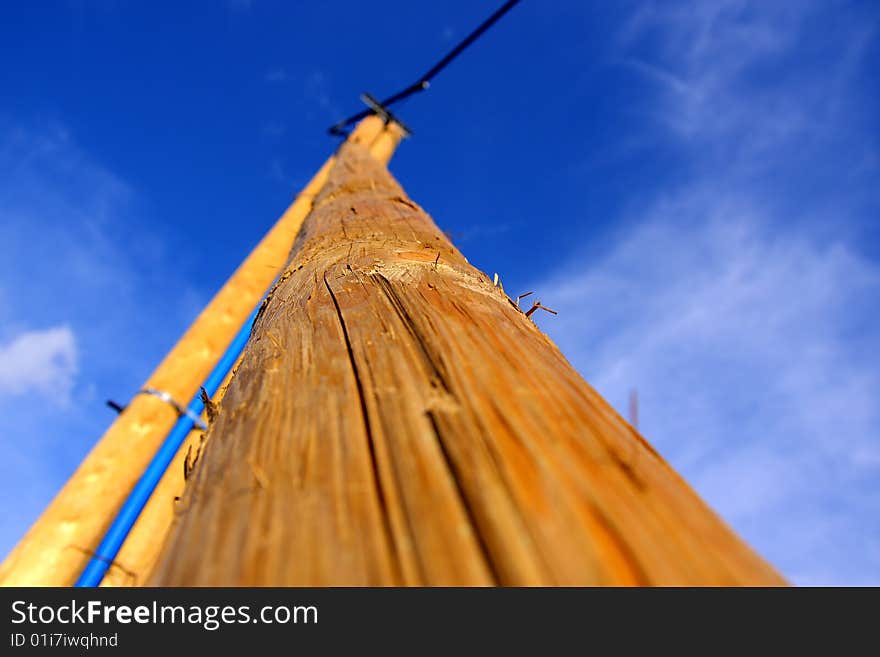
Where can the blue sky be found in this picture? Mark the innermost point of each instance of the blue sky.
(692, 185)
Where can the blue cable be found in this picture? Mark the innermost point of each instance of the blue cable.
(112, 542)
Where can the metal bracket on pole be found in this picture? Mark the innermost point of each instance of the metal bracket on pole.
(380, 110)
(384, 113)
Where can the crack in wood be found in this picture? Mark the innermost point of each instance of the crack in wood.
(455, 477)
(377, 479)
(387, 289)
(620, 545)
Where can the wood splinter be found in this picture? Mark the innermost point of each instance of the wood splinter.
(210, 406)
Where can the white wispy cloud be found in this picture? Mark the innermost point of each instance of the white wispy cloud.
(42, 361)
(738, 303)
(726, 76)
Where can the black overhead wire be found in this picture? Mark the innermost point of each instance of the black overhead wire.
(425, 81)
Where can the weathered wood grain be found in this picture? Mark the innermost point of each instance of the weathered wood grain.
(397, 420)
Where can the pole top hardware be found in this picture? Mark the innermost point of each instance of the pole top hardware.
(377, 108)
(384, 113)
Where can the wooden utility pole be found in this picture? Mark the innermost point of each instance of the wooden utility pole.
(396, 419)
(61, 541)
